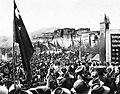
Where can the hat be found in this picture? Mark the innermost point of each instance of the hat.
(80, 69)
(79, 86)
(94, 74)
(97, 89)
(60, 80)
(110, 69)
(63, 69)
(61, 90)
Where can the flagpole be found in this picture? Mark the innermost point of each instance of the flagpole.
(80, 49)
(14, 45)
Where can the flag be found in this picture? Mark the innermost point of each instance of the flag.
(58, 45)
(61, 33)
(52, 37)
(105, 18)
(51, 46)
(22, 38)
(107, 21)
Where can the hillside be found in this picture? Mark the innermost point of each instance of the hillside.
(40, 31)
(5, 42)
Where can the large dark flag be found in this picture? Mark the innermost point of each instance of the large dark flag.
(22, 38)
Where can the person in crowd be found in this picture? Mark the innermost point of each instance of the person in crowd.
(80, 86)
(62, 73)
(96, 85)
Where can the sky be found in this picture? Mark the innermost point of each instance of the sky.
(38, 14)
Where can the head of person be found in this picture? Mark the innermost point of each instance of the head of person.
(60, 80)
(79, 87)
(79, 71)
(97, 89)
(61, 90)
(94, 75)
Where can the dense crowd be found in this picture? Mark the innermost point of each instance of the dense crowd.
(61, 73)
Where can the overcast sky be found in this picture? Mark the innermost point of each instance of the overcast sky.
(76, 14)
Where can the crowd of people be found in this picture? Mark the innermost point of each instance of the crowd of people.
(60, 73)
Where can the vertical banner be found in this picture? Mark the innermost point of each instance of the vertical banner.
(115, 48)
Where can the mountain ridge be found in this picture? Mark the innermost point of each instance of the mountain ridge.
(7, 41)
(38, 33)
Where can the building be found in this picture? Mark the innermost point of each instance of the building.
(113, 46)
(69, 36)
(107, 40)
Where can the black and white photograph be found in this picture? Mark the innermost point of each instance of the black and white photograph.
(59, 46)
